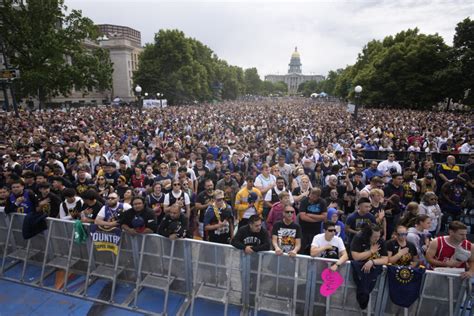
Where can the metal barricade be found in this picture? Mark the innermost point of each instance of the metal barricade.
(4, 223)
(221, 273)
(212, 272)
(155, 266)
(103, 265)
(344, 299)
(18, 249)
(278, 281)
(58, 250)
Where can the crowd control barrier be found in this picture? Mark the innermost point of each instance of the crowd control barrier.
(200, 270)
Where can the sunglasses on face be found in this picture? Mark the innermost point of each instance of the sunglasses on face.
(176, 184)
(289, 212)
(332, 230)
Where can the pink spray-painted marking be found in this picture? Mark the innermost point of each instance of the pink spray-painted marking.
(331, 282)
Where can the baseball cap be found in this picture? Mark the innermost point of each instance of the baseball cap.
(252, 197)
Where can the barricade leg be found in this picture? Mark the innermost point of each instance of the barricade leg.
(69, 256)
(25, 262)
(139, 273)
(7, 244)
(114, 280)
(45, 258)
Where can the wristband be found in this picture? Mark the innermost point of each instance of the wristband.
(373, 262)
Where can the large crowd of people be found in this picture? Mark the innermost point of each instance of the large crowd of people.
(289, 175)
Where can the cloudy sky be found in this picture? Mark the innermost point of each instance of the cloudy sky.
(329, 34)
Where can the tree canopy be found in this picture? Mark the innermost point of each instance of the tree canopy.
(49, 47)
(186, 70)
(408, 69)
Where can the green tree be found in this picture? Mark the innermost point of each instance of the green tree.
(253, 83)
(49, 47)
(463, 51)
(280, 87)
(185, 70)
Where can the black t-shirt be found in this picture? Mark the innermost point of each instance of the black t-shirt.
(390, 190)
(220, 235)
(286, 235)
(52, 208)
(91, 211)
(179, 226)
(82, 187)
(203, 198)
(139, 220)
(393, 246)
(360, 244)
(319, 207)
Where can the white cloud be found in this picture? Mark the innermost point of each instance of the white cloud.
(263, 34)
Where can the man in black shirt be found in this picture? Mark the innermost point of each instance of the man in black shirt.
(286, 234)
(90, 207)
(204, 199)
(175, 224)
(252, 237)
(138, 219)
(48, 202)
(313, 211)
(394, 186)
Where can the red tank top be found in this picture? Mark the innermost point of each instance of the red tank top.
(445, 251)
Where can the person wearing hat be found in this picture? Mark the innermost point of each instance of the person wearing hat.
(426, 184)
(111, 174)
(139, 219)
(252, 200)
(218, 220)
(243, 200)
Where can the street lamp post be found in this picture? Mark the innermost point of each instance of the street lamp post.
(159, 96)
(138, 91)
(357, 90)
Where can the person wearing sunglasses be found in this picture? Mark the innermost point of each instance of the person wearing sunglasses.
(110, 213)
(218, 220)
(400, 251)
(286, 234)
(329, 245)
(177, 196)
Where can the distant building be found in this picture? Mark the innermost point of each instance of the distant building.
(124, 45)
(294, 77)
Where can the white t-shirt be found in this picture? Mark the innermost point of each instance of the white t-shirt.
(249, 212)
(268, 195)
(336, 243)
(263, 182)
(64, 213)
(101, 213)
(187, 201)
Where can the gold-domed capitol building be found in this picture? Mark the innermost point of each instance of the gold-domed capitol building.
(294, 77)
